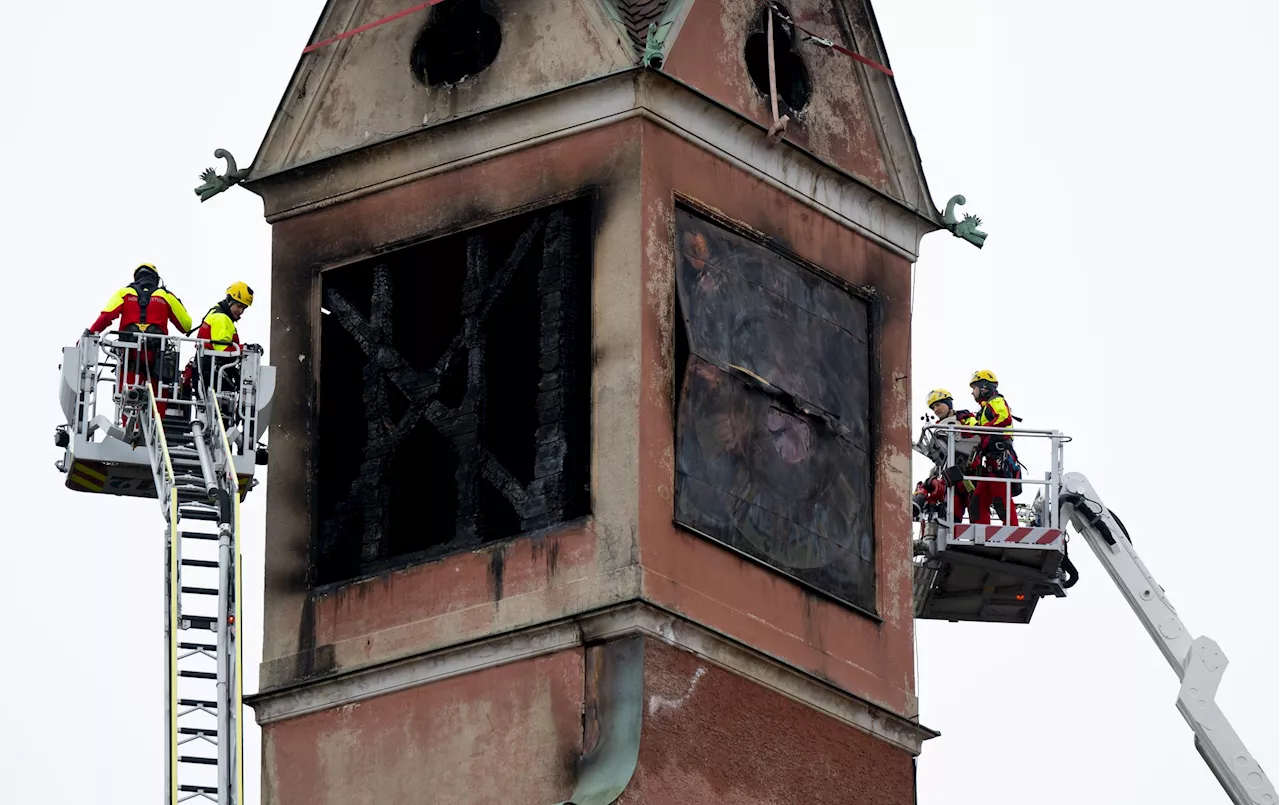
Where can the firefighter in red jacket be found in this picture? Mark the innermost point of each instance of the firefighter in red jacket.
(145, 308)
(994, 457)
(218, 332)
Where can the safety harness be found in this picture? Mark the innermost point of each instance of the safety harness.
(144, 290)
(1002, 460)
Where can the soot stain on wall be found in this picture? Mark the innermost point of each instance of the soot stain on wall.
(454, 393)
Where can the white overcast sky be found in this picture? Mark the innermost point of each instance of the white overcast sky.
(1123, 156)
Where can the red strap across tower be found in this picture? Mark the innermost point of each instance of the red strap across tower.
(370, 25)
(827, 42)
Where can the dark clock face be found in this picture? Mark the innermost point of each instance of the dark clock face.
(773, 445)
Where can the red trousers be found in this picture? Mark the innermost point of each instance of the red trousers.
(987, 493)
(138, 367)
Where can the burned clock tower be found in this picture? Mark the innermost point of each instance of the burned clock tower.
(590, 457)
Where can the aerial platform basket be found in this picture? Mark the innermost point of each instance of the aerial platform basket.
(991, 573)
(998, 573)
(102, 394)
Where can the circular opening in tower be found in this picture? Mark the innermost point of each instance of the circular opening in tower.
(792, 76)
(461, 39)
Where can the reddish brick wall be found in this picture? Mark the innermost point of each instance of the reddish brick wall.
(712, 736)
(480, 738)
(400, 612)
(515, 732)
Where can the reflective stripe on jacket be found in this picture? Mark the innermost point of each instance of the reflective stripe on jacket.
(219, 331)
(163, 308)
(995, 413)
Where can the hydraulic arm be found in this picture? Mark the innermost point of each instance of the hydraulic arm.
(1199, 663)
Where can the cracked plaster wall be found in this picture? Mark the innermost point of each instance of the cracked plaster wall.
(362, 90)
(712, 736)
(470, 740)
(838, 125)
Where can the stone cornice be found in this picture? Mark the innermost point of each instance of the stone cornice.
(593, 104)
(608, 624)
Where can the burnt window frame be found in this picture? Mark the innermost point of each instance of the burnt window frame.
(759, 28)
(420, 53)
(586, 252)
(681, 352)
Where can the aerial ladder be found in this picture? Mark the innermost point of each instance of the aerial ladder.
(998, 573)
(133, 428)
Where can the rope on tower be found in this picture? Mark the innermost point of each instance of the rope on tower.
(827, 43)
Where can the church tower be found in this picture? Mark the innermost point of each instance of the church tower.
(590, 450)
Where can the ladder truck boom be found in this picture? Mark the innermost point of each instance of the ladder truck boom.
(201, 432)
(998, 573)
(1199, 663)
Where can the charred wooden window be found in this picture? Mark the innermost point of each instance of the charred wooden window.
(454, 394)
(461, 39)
(773, 430)
(790, 75)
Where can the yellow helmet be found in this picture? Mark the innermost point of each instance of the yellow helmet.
(240, 292)
(145, 268)
(937, 396)
(983, 374)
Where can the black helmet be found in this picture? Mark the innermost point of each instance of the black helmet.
(983, 390)
(146, 271)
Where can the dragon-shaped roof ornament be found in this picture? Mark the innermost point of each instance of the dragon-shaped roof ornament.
(966, 227)
(215, 184)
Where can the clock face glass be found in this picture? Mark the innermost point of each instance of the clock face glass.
(774, 420)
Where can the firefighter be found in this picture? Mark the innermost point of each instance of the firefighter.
(933, 490)
(942, 404)
(995, 457)
(145, 308)
(218, 333)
